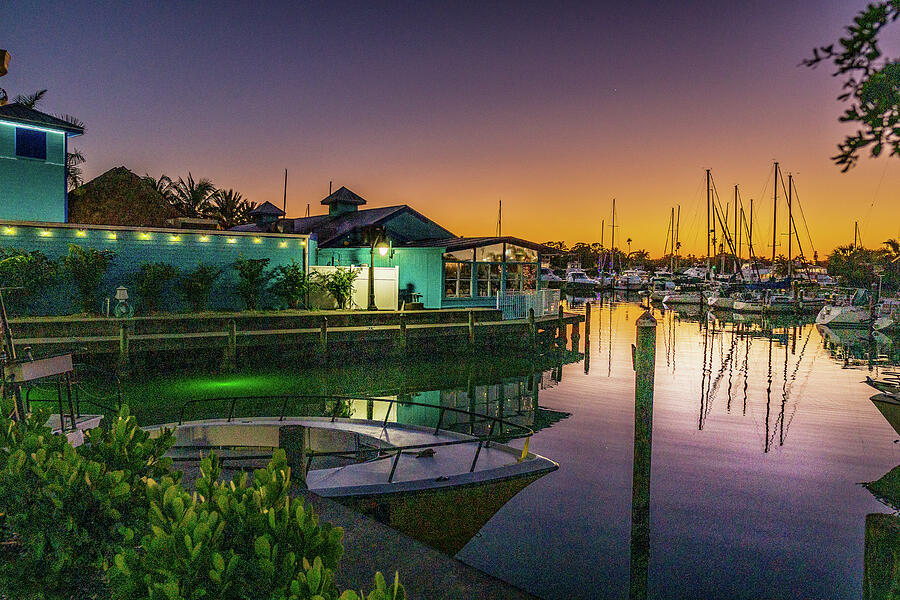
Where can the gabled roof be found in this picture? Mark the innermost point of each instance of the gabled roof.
(266, 209)
(464, 243)
(18, 113)
(343, 196)
(119, 197)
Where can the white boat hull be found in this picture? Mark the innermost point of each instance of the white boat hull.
(843, 316)
(687, 298)
(720, 302)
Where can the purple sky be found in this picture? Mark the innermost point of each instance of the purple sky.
(553, 107)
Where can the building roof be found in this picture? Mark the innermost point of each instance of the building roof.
(119, 197)
(18, 113)
(266, 209)
(464, 243)
(343, 196)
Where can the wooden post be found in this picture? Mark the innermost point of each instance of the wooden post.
(323, 339)
(471, 328)
(576, 335)
(561, 329)
(124, 351)
(532, 327)
(403, 341)
(292, 439)
(587, 337)
(229, 356)
(644, 365)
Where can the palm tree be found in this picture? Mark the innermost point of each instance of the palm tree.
(162, 185)
(74, 158)
(230, 208)
(628, 241)
(192, 198)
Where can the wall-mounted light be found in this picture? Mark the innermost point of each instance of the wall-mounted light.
(302, 242)
(145, 236)
(111, 235)
(383, 250)
(9, 230)
(282, 245)
(45, 233)
(231, 241)
(204, 238)
(175, 238)
(257, 240)
(81, 233)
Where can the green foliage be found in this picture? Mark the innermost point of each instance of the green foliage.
(32, 271)
(887, 489)
(230, 208)
(195, 286)
(191, 198)
(86, 268)
(251, 279)
(234, 540)
(291, 284)
(871, 84)
(860, 267)
(67, 512)
(339, 284)
(151, 281)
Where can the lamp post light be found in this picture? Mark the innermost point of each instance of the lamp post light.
(382, 250)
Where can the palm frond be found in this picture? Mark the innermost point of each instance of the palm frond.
(30, 100)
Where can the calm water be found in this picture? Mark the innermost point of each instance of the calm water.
(762, 433)
(759, 444)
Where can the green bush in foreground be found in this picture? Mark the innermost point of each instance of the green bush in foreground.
(195, 286)
(292, 284)
(234, 540)
(339, 284)
(86, 267)
(66, 512)
(251, 279)
(151, 281)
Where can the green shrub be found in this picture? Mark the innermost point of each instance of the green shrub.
(31, 271)
(251, 279)
(339, 284)
(195, 286)
(151, 281)
(291, 284)
(86, 267)
(65, 512)
(234, 540)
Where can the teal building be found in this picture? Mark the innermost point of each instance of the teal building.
(33, 148)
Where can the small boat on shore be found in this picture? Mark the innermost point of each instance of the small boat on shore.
(436, 485)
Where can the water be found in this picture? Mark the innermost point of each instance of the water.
(761, 437)
(755, 478)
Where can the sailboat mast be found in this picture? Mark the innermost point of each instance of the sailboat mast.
(613, 242)
(708, 201)
(790, 222)
(737, 229)
(677, 233)
(775, 218)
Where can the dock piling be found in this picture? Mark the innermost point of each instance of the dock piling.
(471, 328)
(561, 329)
(403, 341)
(576, 335)
(644, 366)
(532, 326)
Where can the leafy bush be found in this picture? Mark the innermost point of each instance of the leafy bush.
(234, 540)
(30, 271)
(67, 512)
(292, 283)
(151, 281)
(195, 286)
(86, 267)
(251, 279)
(339, 284)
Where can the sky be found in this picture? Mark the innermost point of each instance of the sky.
(554, 108)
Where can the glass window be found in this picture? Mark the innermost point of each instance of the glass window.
(459, 255)
(493, 253)
(529, 277)
(457, 279)
(520, 254)
(488, 279)
(31, 143)
(513, 277)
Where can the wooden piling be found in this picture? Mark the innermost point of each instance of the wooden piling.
(644, 366)
(561, 329)
(471, 328)
(576, 335)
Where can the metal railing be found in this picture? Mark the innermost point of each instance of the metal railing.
(515, 305)
(340, 408)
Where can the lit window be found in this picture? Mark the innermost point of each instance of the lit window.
(31, 143)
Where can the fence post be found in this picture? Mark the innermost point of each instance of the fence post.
(229, 356)
(124, 350)
(323, 339)
(532, 326)
(403, 341)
